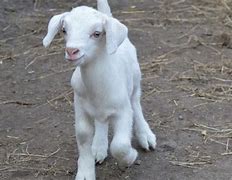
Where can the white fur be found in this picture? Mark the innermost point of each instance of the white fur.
(106, 87)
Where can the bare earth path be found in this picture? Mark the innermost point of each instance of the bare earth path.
(184, 47)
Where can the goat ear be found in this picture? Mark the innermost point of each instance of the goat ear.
(103, 6)
(116, 33)
(54, 26)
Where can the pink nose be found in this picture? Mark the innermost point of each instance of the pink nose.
(72, 51)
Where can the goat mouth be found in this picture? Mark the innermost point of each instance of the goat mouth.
(76, 61)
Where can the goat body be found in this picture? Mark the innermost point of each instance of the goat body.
(106, 86)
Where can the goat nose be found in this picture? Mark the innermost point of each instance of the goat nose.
(72, 51)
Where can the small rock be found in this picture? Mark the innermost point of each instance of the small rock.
(181, 117)
(225, 38)
(204, 132)
(168, 146)
(31, 72)
(138, 162)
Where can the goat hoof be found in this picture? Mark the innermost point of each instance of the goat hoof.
(100, 153)
(85, 176)
(147, 140)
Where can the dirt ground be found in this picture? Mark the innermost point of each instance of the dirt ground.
(184, 48)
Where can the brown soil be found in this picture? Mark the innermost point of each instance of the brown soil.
(185, 53)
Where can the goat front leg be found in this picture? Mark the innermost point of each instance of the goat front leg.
(100, 141)
(84, 135)
(120, 146)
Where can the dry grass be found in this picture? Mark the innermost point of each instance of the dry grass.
(22, 160)
(217, 89)
(213, 134)
(216, 134)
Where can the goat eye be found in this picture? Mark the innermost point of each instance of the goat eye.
(63, 30)
(96, 34)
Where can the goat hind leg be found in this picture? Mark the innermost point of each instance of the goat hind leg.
(145, 136)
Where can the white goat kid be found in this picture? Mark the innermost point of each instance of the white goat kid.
(106, 86)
